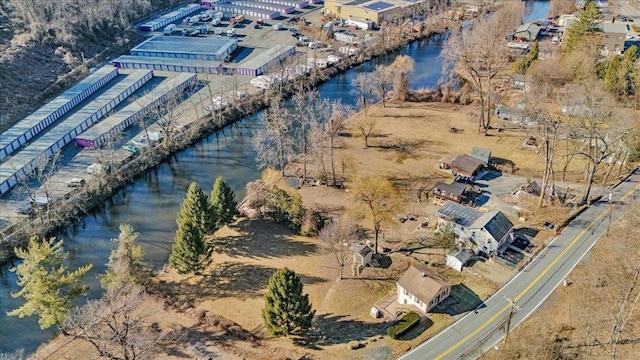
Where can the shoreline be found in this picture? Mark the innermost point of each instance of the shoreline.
(61, 214)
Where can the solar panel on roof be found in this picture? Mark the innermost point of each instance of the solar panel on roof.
(380, 5)
(357, 2)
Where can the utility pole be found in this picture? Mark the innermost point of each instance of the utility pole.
(513, 306)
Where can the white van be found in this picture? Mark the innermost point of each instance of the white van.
(168, 30)
(316, 44)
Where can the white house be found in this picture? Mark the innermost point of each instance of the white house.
(422, 289)
(482, 232)
(457, 259)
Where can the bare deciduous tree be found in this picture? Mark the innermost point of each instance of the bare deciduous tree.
(272, 141)
(366, 126)
(117, 325)
(338, 238)
(364, 90)
(477, 54)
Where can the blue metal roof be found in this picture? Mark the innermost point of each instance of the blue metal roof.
(357, 2)
(185, 45)
(380, 5)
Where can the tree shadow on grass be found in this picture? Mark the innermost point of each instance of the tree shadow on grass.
(337, 329)
(262, 239)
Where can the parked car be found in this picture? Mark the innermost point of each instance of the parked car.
(29, 211)
(131, 148)
(76, 182)
(97, 168)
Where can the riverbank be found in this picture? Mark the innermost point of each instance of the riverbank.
(82, 201)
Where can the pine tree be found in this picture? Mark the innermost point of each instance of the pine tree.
(195, 206)
(194, 221)
(223, 202)
(126, 263)
(588, 23)
(189, 251)
(286, 310)
(47, 286)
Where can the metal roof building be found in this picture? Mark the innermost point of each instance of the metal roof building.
(375, 11)
(168, 18)
(463, 215)
(244, 10)
(167, 64)
(259, 64)
(27, 128)
(266, 5)
(100, 133)
(40, 150)
(194, 48)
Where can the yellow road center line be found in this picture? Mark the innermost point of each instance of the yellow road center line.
(535, 281)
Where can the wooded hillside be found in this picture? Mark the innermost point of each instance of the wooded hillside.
(45, 46)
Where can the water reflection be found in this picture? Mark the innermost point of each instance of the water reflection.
(151, 203)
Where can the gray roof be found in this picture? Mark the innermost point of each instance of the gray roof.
(455, 188)
(185, 45)
(464, 215)
(495, 223)
(462, 255)
(530, 28)
(266, 57)
(132, 59)
(481, 154)
(617, 28)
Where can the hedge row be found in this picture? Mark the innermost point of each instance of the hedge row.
(403, 325)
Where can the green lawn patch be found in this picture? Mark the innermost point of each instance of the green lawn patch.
(403, 325)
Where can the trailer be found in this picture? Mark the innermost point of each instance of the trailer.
(363, 24)
(194, 19)
(169, 29)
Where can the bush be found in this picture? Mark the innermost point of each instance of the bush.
(403, 325)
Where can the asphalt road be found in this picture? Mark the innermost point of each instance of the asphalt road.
(475, 333)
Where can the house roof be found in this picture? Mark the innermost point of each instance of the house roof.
(454, 188)
(618, 28)
(495, 223)
(481, 154)
(530, 28)
(423, 284)
(464, 215)
(466, 163)
(462, 255)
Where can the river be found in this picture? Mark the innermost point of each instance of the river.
(151, 203)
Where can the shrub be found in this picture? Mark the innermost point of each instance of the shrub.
(403, 325)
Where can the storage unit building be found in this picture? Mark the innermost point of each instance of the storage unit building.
(196, 48)
(20, 133)
(100, 133)
(40, 150)
(168, 18)
(283, 9)
(298, 4)
(168, 64)
(248, 11)
(259, 64)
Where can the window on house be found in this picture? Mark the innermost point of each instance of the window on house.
(418, 302)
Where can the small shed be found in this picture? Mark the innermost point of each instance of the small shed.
(363, 255)
(457, 259)
(527, 32)
(481, 154)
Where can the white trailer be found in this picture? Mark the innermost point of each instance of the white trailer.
(194, 19)
(359, 23)
(169, 29)
(215, 21)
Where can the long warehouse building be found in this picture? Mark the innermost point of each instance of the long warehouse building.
(194, 48)
(168, 18)
(249, 11)
(100, 133)
(20, 133)
(259, 64)
(38, 152)
(168, 64)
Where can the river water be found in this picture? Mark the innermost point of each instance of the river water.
(151, 203)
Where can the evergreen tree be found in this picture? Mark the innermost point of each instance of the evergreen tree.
(47, 286)
(588, 23)
(126, 264)
(189, 251)
(223, 202)
(195, 206)
(286, 310)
